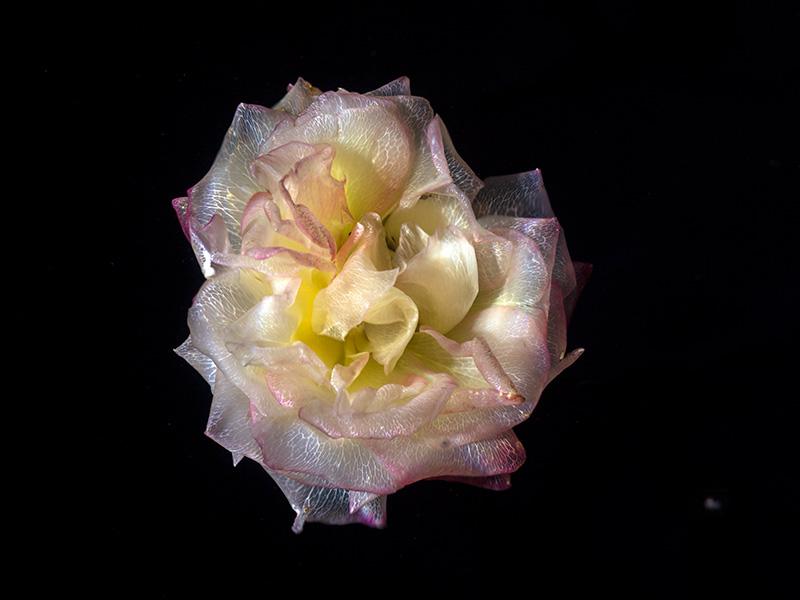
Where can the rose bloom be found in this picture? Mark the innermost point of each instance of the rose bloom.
(374, 314)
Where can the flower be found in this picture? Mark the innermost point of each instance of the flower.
(374, 314)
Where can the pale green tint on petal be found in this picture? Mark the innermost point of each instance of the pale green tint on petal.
(451, 208)
(527, 282)
(389, 325)
(442, 280)
(424, 355)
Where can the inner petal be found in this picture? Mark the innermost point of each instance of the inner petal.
(345, 302)
(442, 280)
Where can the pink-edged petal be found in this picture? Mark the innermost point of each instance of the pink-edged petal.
(229, 185)
(181, 208)
(276, 221)
(487, 364)
(516, 340)
(399, 87)
(334, 506)
(298, 98)
(375, 465)
(343, 375)
(374, 146)
(269, 169)
(294, 374)
(311, 185)
(495, 482)
(402, 413)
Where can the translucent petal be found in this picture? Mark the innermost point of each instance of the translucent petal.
(221, 301)
(442, 280)
(268, 323)
(517, 340)
(342, 305)
(334, 506)
(527, 282)
(451, 208)
(229, 185)
(401, 412)
(519, 195)
(298, 98)
(399, 87)
(389, 324)
(373, 146)
(204, 365)
(276, 221)
(388, 149)
(463, 176)
(374, 465)
(229, 421)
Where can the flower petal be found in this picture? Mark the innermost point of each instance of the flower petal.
(442, 280)
(463, 176)
(401, 412)
(204, 365)
(373, 146)
(399, 87)
(374, 465)
(362, 281)
(334, 506)
(229, 421)
(229, 185)
(310, 184)
(298, 98)
(389, 324)
(519, 195)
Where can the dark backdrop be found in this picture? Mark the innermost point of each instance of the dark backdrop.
(666, 142)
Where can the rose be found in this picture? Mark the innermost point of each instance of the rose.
(374, 314)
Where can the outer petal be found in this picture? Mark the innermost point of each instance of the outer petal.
(204, 365)
(520, 195)
(402, 412)
(221, 301)
(228, 186)
(388, 150)
(298, 98)
(229, 423)
(463, 176)
(399, 87)
(377, 466)
(334, 506)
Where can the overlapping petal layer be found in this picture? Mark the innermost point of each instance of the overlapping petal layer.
(374, 314)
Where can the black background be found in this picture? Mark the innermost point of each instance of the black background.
(667, 144)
